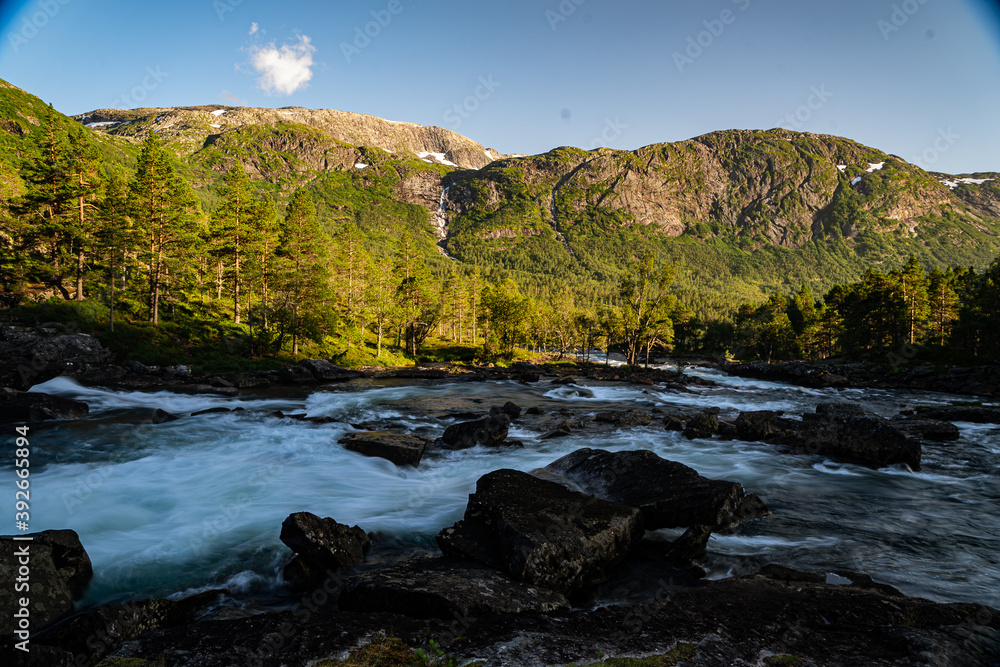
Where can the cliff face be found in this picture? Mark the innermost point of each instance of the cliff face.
(188, 129)
(776, 187)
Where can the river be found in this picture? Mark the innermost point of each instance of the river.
(176, 508)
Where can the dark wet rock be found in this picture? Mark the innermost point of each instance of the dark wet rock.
(95, 633)
(444, 588)
(400, 448)
(624, 418)
(210, 411)
(975, 381)
(689, 546)
(960, 413)
(113, 376)
(674, 422)
(217, 381)
(727, 430)
(867, 439)
(839, 410)
(561, 431)
(703, 425)
(60, 570)
(28, 358)
(669, 494)
(564, 380)
(757, 426)
(16, 406)
(734, 621)
(541, 532)
(420, 373)
(927, 429)
(162, 417)
(137, 368)
(488, 432)
(249, 381)
(197, 389)
(508, 408)
(841, 430)
(296, 375)
(535, 410)
(324, 544)
(177, 373)
(324, 371)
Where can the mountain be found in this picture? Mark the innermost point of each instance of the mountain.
(744, 213)
(193, 129)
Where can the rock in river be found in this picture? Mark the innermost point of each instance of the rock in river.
(324, 544)
(542, 533)
(624, 417)
(669, 494)
(16, 406)
(488, 432)
(444, 588)
(60, 571)
(400, 448)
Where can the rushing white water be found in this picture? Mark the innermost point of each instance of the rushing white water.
(199, 502)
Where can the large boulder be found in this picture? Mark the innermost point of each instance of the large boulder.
(29, 357)
(624, 418)
(842, 430)
(324, 371)
(444, 588)
(95, 633)
(703, 425)
(510, 409)
(866, 439)
(60, 570)
(960, 413)
(488, 432)
(934, 430)
(400, 448)
(296, 375)
(669, 494)
(757, 426)
(542, 533)
(16, 406)
(324, 544)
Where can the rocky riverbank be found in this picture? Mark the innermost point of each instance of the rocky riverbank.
(511, 590)
(971, 381)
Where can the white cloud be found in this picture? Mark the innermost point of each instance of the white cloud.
(254, 28)
(286, 70)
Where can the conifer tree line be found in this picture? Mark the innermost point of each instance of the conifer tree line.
(892, 317)
(139, 243)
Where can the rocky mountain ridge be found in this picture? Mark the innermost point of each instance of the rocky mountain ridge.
(189, 129)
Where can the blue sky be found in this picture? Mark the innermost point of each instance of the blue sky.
(917, 78)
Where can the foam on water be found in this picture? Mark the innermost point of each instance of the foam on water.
(198, 503)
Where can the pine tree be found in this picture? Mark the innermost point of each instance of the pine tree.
(418, 310)
(46, 207)
(165, 210)
(352, 261)
(233, 227)
(646, 304)
(944, 305)
(115, 234)
(304, 283)
(913, 285)
(82, 163)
